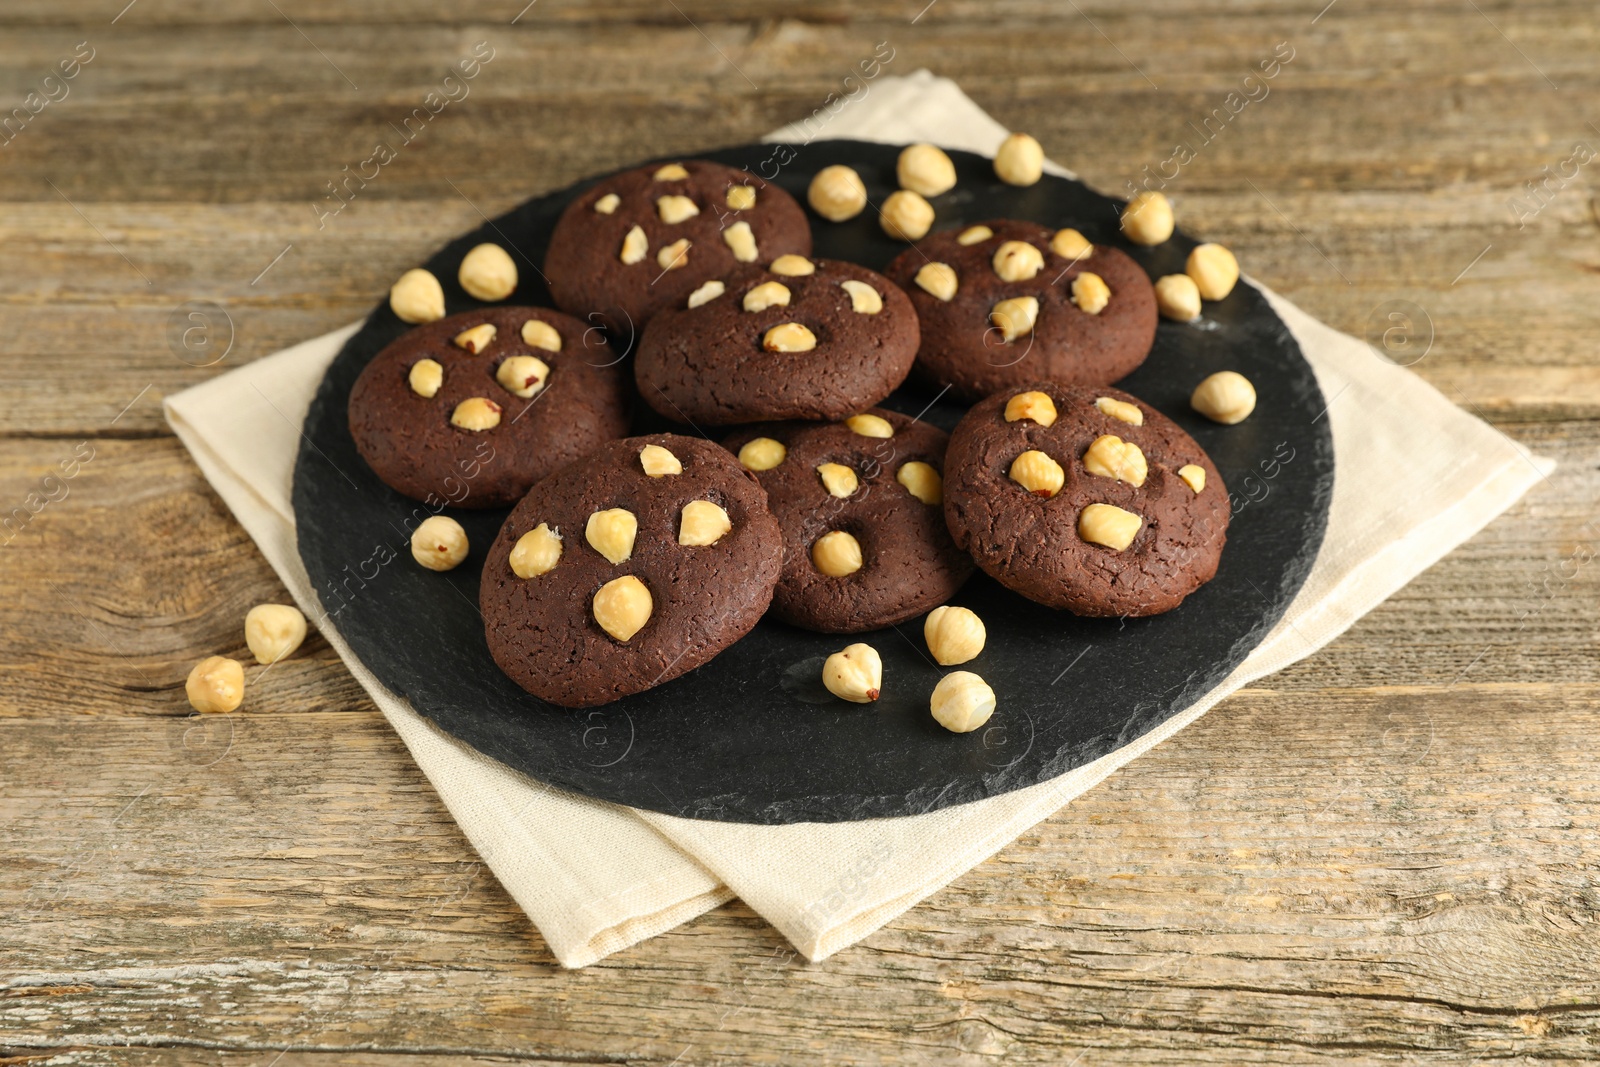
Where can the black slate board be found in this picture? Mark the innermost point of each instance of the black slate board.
(753, 736)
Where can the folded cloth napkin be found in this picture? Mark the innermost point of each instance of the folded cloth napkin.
(597, 877)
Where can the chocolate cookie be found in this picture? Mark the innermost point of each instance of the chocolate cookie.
(1007, 302)
(865, 544)
(643, 240)
(473, 409)
(796, 339)
(627, 569)
(1086, 499)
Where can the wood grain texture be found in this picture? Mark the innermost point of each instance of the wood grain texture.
(1385, 852)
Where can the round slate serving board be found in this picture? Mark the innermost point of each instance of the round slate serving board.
(753, 736)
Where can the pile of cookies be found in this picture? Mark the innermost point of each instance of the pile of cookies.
(627, 561)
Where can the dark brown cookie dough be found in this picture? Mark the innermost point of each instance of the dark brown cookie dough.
(584, 264)
(711, 365)
(1035, 544)
(908, 563)
(963, 349)
(542, 629)
(410, 442)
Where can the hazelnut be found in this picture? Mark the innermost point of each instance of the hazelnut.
(707, 293)
(1147, 220)
(417, 297)
(789, 337)
(1193, 476)
(869, 425)
(673, 256)
(1112, 457)
(1017, 261)
(702, 523)
(906, 216)
(793, 266)
(1106, 524)
(766, 295)
(1178, 297)
(622, 607)
(921, 481)
(215, 684)
(954, 635)
(1090, 292)
(658, 462)
(425, 378)
(536, 552)
(1120, 410)
(273, 631)
(1038, 474)
(839, 480)
(973, 235)
(962, 702)
(837, 193)
(864, 299)
(488, 273)
(741, 239)
(611, 533)
(836, 554)
(675, 209)
(1214, 269)
(536, 333)
(1070, 244)
(925, 170)
(634, 245)
(1032, 405)
(1226, 397)
(439, 543)
(938, 279)
(608, 203)
(523, 376)
(762, 454)
(741, 197)
(1015, 317)
(475, 339)
(855, 674)
(476, 413)
(671, 172)
(1019, 160)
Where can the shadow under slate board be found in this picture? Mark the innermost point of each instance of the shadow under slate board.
(753, 736)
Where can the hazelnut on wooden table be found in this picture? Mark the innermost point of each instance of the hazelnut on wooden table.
(954, 635)
(439, 543)
(1214, 269)
(906, 216)
(702, 523)
(488, 273)
(622, 606)
(611, 533)
(762, 454)
(1226, 397)
(925, 170)
(417, 297)
(962, 702)
(216, 684)
(273, 631)
(836, 554)
(837, 193)
(1147, 220)
(921, 481)
(536, 552)
(425, 377)
(854, 673)
(1178, 298)
(1019, 160)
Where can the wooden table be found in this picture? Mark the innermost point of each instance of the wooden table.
(1386, 851)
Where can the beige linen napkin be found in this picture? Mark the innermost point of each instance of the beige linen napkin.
(596, 877)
